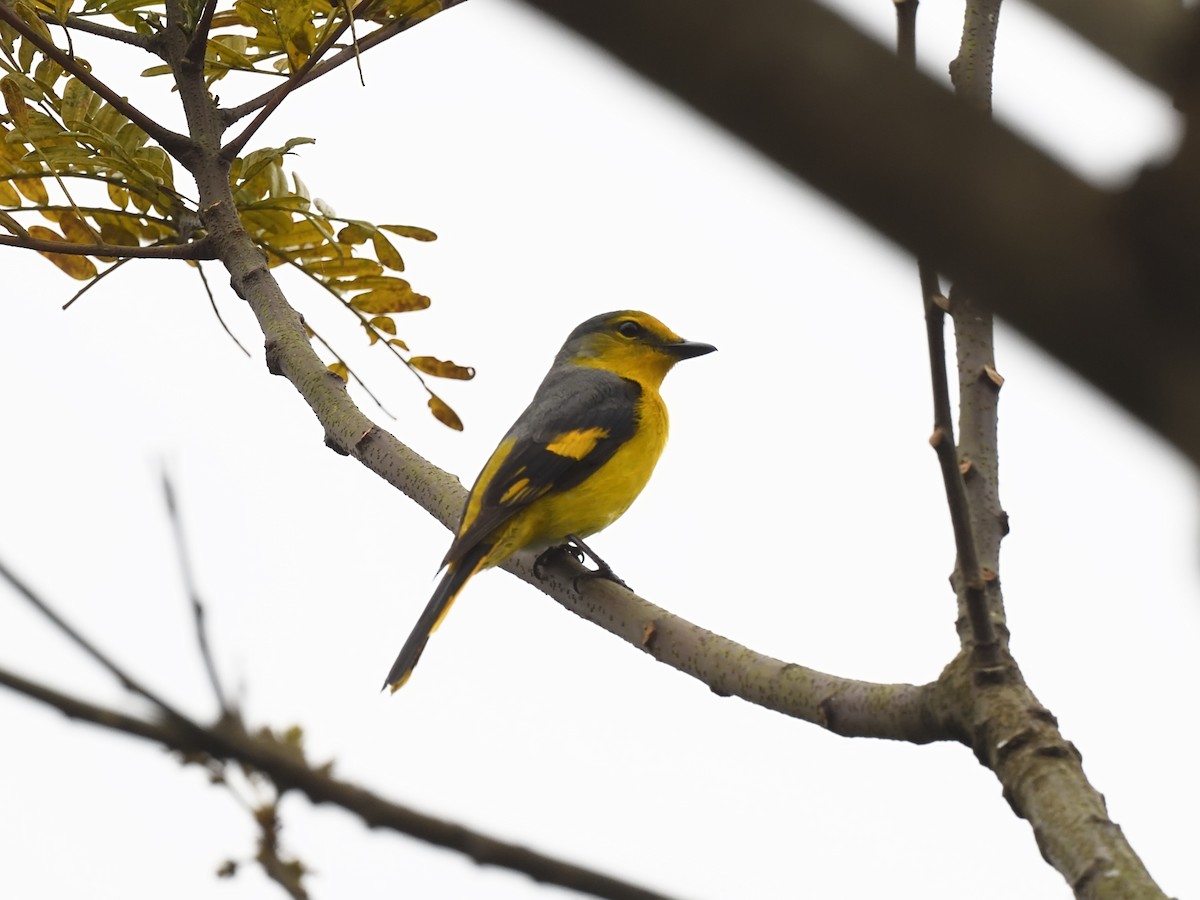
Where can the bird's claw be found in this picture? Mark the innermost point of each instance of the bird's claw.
(579, 551)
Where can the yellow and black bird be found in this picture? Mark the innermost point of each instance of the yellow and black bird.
(571, 464)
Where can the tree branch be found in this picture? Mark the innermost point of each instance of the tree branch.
(126, 680)
(171, 141)
(189, 584)
(198, 249)
(124, 36)
(1044, 783)
(199, 42)
(229, 741)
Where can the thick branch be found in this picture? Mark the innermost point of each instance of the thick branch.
(231, 742)
(1044, 782)
(1056, 257)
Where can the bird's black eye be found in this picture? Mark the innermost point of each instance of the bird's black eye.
(629, 329)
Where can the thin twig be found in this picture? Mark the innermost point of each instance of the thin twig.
(199, 249)
(94, 281)
(174, 143)
(212, 301)
(350, 371)
(127, 681)
(79, 23)
(189, 584)
(942, 438)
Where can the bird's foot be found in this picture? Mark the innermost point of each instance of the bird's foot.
(579, 551)
(547, 556)
(602, 570)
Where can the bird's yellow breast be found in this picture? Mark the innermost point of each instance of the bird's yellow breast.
(597, 501)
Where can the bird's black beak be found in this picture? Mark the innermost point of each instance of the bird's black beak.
(688, 349)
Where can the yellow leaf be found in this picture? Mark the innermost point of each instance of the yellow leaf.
(112, 233)
(118, 195)
(78, 267)
(33, 189)
(411, 231)
(76, 99)
(354, 234)
(383, 323)
(14, 100)
(340, 369)
(386, 253)
(8, 195)
(372, 283)
(76, 230)
(346, 268)
(396, 342)
(389, 300)
(444, 413)
(441, 368)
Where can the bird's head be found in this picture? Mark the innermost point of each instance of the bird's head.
(632, 344)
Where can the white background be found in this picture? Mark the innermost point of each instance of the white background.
(798, 509)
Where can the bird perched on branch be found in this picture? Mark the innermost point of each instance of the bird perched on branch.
(571, 464)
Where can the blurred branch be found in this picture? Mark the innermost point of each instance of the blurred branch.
(1066, 263)
(189, 584)
(288, 771)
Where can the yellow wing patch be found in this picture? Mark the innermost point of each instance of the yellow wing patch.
(577, 443)
(521, 491)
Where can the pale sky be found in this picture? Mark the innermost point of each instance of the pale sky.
(798, 509)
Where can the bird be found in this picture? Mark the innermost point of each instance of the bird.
(570, 465)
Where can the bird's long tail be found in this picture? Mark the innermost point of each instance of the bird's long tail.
(457, 574)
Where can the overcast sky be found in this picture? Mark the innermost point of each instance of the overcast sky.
(798, 509)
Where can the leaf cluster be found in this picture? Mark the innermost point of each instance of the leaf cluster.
(71, 154)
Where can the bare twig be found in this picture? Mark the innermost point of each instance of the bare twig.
(127, 681)
(198, 249)
(230, 741)
(212, 301)
(100, 276)
(125, 36)
(189, 584)
(942, 439)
